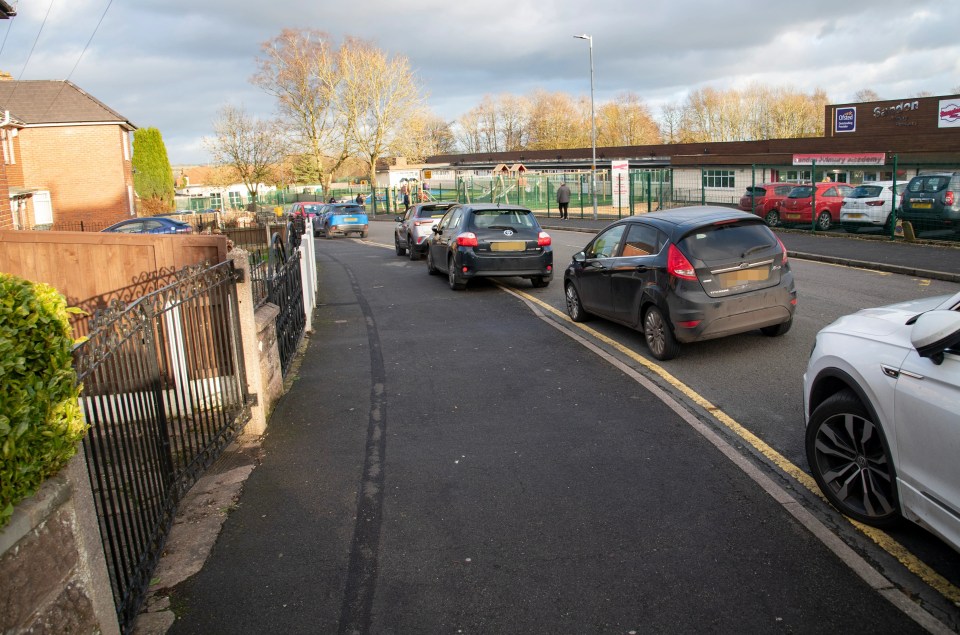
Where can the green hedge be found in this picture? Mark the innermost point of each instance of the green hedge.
(40, 419)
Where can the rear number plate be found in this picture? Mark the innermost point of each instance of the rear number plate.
(516, 245)
(350, 220)
(793, 216)
(922, 205)
(736, 278)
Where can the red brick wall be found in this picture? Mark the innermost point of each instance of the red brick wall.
(84, 169)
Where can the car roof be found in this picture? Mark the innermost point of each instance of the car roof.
(476, 207)
(689, 217)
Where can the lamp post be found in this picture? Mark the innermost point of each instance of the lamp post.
(593, 129)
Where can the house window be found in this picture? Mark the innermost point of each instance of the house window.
(216, 200)
(235, 199)
(125, 141)
(718, 178)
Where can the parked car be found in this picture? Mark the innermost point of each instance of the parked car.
(150, 225)
(880, 398)
(932, 201)
(797, 207)
(870, 205)
(764, 200)
(305, 209)
(684, 275)
(342, 219)
(416, 226)
(490, 240)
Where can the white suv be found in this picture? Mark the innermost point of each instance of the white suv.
(882, 405)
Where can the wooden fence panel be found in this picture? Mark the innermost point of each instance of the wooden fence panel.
(91, 269)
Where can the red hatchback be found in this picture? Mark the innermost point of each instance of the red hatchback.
(764, 200)
(796, 209)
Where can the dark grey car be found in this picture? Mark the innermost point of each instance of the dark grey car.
(684, 275)
(932, 201)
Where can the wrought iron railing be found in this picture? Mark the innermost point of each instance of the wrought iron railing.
(164, 391)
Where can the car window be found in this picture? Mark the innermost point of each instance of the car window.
(727, 241)
(351, 209)
(456, 218)
(311, 209)
(867, 191)
(755, 191)
(927, 183)
(831, 191)
(605, 244)
(432, 211)
(502, 219)
(801, 191)
(643, 240)
(782, 190)
(131, 228)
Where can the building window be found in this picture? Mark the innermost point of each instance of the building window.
(235, 200)
(718, 178)
(216, 201)
(798, 175)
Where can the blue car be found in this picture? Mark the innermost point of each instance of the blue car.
(150, 225)
(342, 219)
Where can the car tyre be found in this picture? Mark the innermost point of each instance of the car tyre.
(456, 282)
(364, 233)
(326, 232)
(777, 329)
(431, 267)
(850, 460)
(539, 282)
(824, 221)
(772, 219)
(396, 243)
(414, 253)
(574, 306)
(658, 335)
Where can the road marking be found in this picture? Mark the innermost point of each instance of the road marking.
(881, 538)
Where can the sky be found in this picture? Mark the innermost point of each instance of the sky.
(173, 64)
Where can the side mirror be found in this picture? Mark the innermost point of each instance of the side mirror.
(436, 230)
(399, 219)
(934, 332)
(580, 257)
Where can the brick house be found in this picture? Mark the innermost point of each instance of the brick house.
(66, 157)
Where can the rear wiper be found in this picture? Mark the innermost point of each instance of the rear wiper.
(753, 249)
(500, 227)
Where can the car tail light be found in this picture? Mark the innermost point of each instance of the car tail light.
(678, 265)
(873, 203)
(543, 239)
(844, 204)
(948, 198)
(467, 239)
(784, 248)
(692, 324)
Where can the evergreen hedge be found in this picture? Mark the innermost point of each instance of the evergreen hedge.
(40, 419)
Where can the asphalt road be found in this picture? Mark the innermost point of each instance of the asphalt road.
(451, 462)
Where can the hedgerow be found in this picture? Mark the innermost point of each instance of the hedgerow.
(40, 419)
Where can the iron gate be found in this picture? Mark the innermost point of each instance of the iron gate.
(164, 391)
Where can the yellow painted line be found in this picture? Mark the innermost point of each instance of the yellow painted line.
(836, 264)
(933, 579)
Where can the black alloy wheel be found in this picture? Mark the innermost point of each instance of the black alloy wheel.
(574, 306)
(850, 461)
(660, 340)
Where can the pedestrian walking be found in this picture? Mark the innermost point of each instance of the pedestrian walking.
(360, 199)
(405, 197)
(563, 199)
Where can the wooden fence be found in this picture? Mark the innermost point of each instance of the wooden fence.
(92, 269)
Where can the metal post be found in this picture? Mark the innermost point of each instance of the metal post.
(593, 129)
(893, 203)
(813, 195)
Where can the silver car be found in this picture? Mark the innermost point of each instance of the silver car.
(416, 226)
(869, 205)
(882, 403)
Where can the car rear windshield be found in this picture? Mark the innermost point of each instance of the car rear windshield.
(503, 219)
(432, 211)
(312, 209)
(928, 183)
(801, 191)
(755, 191)
(867, 191)
(350, 209)
(728, 241)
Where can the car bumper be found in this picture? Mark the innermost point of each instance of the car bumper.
(348, 228)
(735, 314)
(483, 266)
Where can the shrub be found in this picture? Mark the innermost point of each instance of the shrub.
(40, 419)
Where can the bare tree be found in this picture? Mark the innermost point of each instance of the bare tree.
(626, 121)
(431, 136)
(866, 94)
(381, 96)
(300, 69)
(250, 146)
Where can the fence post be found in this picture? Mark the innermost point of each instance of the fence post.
(703, 186)
(308, 273)
(893, 203)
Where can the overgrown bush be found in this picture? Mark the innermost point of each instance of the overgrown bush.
(40, 419)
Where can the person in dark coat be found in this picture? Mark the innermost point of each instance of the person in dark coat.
(563, 199)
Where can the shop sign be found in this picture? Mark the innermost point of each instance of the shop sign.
(859, 158)
(949, 113)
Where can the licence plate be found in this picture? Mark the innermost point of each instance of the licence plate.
(507, 245)
(922, 205)
(350, 220)
(853, 215)
(734, 278)
(793, 216)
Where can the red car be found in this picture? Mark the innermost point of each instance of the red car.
(796, 208)
(764, 200)
(305, 209)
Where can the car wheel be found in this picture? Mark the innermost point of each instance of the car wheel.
(777, 329)
(414, 254)
(364, 233)
(824, 221)
(574, 306)
(326, 232)
(431, 267)
(848, 456)
(853, 229)
(772, 219)
(660, 340)
(396, 245)
(539, 282)
(456, 282)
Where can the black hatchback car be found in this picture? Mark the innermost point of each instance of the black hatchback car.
(489, 240)
(932, 201)
(684, 275)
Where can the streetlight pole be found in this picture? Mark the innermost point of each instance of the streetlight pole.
(593, 129)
